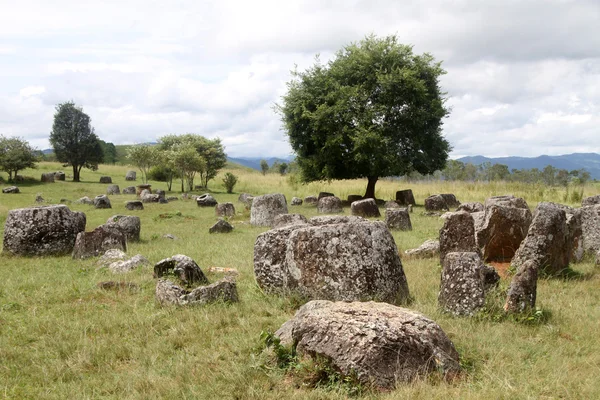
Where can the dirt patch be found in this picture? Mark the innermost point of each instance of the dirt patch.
(501, 267)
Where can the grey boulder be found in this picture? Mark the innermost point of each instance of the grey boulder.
(378, 343)
(46, 230)
(266, 207)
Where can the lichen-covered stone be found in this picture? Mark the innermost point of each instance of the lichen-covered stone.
(181, 266)
(523, 288)
(365, 208)
(206, 200)
(113, 189)
(591, 201)
(282, 220)
(45, 230)
(10, 189)
(324, 194)
(329, 205)
(378, 343)
(429, 248)
(266, 207)
(123, 266)
(105, 179)
(548, 243)
(102, 201)
(98, 241)
(344, 261)
(110, 256)
(471, 207)
(130, 176)
(590, 226)
(140, 188)
(134, 205)
(457, 234)
(48, 177)
(334, 219)
(225, 210)
(85, 200)
(398, 219)
(435, 203)
(128, 224)
(462, 290)
(505, 225)
(405, 197)
(392, 204)
(221, 226)
(225, 290)
(311, 200)
(129, 190)
(296, 201)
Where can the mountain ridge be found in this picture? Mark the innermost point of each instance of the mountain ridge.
(588, 161)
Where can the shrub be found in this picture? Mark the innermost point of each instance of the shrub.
(229, 181)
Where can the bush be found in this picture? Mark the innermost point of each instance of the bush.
(229, 181)
(159, 173)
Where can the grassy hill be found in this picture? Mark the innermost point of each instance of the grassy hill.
(63, 337)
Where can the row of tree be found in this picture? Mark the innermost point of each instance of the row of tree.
(180, 156)
(458, 171)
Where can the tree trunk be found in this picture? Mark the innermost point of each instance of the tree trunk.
(75, 173)
(370, 193)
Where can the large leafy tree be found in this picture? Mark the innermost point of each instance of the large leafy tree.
(375, 110)
(74, 140)
(15, 155)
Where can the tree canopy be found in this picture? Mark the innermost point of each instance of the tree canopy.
(15, 155)
(375, 110)
(74, 140)
(143, 156)
(210, 150)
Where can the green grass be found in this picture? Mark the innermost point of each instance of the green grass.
(62, 337)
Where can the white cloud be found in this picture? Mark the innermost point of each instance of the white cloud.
(523, 76)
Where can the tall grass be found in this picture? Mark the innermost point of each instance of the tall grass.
(62, 337)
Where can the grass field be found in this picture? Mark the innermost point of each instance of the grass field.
(62, 337)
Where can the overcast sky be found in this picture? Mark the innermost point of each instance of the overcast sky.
(523, 76)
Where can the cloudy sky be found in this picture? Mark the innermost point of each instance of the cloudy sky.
(523, 75)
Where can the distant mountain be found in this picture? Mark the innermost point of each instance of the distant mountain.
(588, 161)
(254, 162)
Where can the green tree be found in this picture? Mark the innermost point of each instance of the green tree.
(110, 152)
(15, 155)
(229, 181)
(499, 172)
(283, 168)
(188, 162)
(74, 140)
(143, 156)
(375, 110)
(211, 150)
(454, 170)
(264, 166)
(548, 175)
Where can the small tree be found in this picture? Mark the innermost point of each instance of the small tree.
(74, 140)
(229, 181)
(283, 168)
(264, 166)
(143, 156)
(16, 155)
(188, 162)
